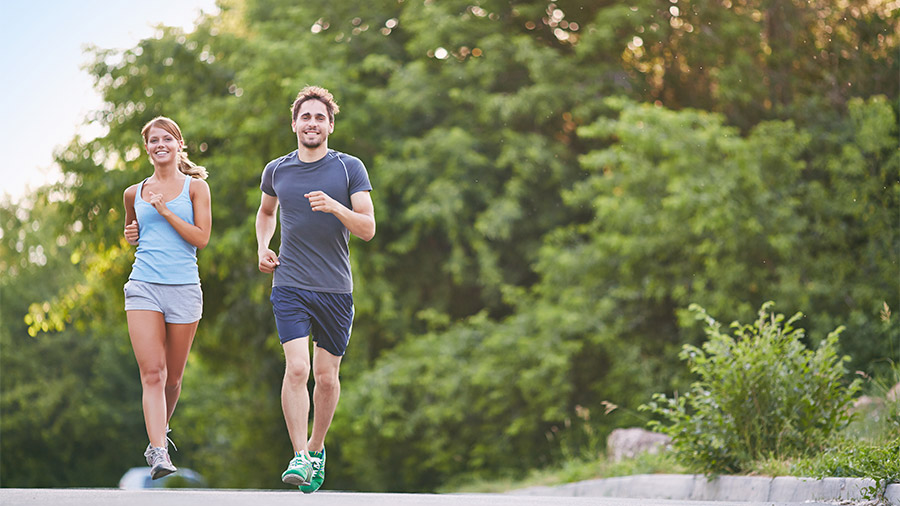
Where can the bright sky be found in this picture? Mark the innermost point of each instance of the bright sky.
(44, 94)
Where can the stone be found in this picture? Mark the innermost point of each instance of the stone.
(629, 443)
(894, 393)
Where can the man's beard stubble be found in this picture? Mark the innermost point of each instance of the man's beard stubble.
(313, 144)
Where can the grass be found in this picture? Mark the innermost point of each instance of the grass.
(869, 447)
(572, 471)
(879, 461)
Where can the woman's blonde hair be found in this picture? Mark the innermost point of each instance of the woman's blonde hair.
(184, 164)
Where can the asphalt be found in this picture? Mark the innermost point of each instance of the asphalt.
(217, 497)
(782, 489)
(638, 490)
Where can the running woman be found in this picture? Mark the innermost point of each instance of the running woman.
(324, 197)
(168, 218)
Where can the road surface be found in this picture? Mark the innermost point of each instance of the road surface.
(217, 497)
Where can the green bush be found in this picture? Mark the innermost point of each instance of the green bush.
(761, 394)
(856, 459)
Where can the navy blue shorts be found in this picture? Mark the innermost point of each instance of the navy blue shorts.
(328, 317)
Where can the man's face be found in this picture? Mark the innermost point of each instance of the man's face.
(312, 125)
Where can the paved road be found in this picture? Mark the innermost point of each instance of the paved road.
(109, 497)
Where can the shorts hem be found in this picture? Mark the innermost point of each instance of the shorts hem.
(285, 341)
(182, 322)
(331, 351)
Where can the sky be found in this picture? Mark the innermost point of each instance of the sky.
(45, 96)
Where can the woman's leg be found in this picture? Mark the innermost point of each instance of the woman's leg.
(147, 330)
(179, 338)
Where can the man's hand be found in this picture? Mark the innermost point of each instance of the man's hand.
(320, 201)
(132, 233)
(268, 261)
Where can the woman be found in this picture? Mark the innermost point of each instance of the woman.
(168, 218)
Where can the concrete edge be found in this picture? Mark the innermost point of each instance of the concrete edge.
(724, 488)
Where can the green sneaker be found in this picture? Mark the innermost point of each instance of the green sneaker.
(298, 472)
(318, 477)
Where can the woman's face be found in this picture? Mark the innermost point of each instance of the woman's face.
(162, 146)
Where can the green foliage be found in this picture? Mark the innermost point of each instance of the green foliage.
(856, 459)
(760, 393)
(554, 184)
(479, 376)
(570, 471)
(56, 400)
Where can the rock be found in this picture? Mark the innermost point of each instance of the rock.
(628, 443)
(864, 402)
(894, 393)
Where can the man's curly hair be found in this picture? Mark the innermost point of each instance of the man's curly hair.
(315, 93)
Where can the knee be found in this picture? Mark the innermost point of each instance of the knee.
(173, 383)
(154, 376)
(296, 371)
(327, 379)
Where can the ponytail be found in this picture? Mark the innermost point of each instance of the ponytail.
(190, 168)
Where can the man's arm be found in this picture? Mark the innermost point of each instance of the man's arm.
(265, 229)
(360, 221)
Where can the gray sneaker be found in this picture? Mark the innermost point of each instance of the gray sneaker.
(159, 462)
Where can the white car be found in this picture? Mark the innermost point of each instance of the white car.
(139, 477)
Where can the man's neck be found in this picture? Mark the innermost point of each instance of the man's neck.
(309, 155)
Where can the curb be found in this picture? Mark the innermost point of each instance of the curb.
(697, 487)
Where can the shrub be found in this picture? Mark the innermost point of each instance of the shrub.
(856, 459)
(760, 394)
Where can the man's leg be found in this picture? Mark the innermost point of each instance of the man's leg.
(294, 393)
(325, 395)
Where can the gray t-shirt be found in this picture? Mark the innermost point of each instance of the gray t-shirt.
(314, 253)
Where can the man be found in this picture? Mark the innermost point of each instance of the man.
(324, 197)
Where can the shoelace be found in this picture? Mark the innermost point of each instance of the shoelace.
(169, 440)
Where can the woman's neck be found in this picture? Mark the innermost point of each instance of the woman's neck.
(166, 172)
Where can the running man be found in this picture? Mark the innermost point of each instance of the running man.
(324, 197)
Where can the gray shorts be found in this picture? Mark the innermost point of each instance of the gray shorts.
(177, 303)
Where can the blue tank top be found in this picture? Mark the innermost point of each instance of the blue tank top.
(162, 255)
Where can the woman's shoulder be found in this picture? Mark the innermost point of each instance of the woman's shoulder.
(200, 185)
(197, 182)
(131, 190)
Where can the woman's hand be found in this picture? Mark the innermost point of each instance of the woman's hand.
(156, 200)
(132, 233)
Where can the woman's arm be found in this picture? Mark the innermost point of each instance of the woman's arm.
(131, 225)
(198, 233)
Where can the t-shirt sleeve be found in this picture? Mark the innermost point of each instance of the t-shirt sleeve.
(267, 185)
(359, 177)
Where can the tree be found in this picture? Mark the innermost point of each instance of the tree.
(555, 182)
